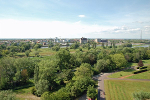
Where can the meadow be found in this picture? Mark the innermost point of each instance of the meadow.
(123, 89)
(144, 75)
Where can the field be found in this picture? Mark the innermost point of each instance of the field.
(144, 75)
(121, 73)
(46, 52)
(123, 89)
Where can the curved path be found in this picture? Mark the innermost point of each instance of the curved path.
(102, 77)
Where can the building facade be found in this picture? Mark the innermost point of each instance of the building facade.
(83, 40)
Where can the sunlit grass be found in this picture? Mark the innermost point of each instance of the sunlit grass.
(121, 73)
(123, 89)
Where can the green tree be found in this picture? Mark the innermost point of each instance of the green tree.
(118, 60)
(63, 57)
(50, 45)
(27, 53)
(140, 63)
(91, 92)
(7, 95)
(41, 87)
(84, 71)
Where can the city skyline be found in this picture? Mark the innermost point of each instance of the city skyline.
(75, 19)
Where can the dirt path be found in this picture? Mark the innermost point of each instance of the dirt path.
(126, 76)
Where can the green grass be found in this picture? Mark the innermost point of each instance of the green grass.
(146, 62)
(144, 75)
(121, 73)
(123, 89)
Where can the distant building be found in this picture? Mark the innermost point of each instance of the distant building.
(101, 41)
(83, 40)
(97, 40)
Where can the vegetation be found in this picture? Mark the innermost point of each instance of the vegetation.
(141, 95)
(69, 69)
(123, 89)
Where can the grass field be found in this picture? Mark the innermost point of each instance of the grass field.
(129, 72)
(123, 89)
(144, 75)
(121, 73)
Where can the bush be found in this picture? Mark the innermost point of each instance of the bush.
(45, 96)
(139, 71)
(144, 67)
(7, 95)
(41, 87)
(91, 92)
(141, 96)
(33, 91)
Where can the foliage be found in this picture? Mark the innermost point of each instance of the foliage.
(7, 95)
(118, 60)
(140, 63)
(139, 71)
(103, 65)
(27, 53)
(41, 87)
(24, 75)
(74, 46)
(91, 92)
(141, 95)
(37, 46)
(55, 48)
(84, 71)
(33, 91)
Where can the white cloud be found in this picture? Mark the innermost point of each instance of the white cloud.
(46, 29)
(81, 16)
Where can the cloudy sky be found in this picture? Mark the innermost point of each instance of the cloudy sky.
(75, 18)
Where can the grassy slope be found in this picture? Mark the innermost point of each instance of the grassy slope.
(122, 89)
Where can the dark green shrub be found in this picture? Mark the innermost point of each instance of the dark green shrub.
(33, 91)
(139, 71)
(7, 95)
(144, 67)
(45, 96)
(141, 96)
(91, 92)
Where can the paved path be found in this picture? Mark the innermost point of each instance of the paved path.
(102, 77)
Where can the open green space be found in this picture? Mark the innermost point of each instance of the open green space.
(121, 73)
(123, 89)
(143, 75)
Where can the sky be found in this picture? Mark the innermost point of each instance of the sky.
(115, 19)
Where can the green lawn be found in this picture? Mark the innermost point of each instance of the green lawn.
(144, 75)
(121, 73)
(123, 89)
(129, 72)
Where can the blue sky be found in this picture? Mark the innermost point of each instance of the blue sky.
(74, 18)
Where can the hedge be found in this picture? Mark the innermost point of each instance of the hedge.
(139, 71)
(144, 67)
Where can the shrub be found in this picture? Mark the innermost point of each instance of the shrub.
(139, 71)
(45, 96)
(91, 92)
(41, 87)
(33, 91)
(144, 67)
(7, 95)
(141, 96)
